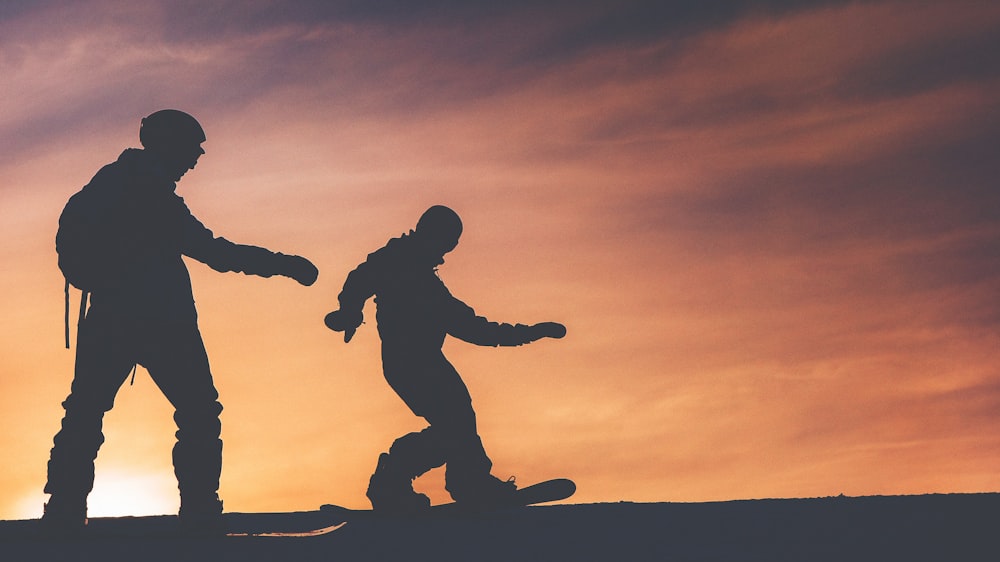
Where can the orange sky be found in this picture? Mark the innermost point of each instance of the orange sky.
(773, 235)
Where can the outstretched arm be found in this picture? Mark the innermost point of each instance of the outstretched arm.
(465, 325)
(541, 330)
(222, 255)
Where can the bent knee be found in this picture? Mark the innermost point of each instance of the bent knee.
(202, 418)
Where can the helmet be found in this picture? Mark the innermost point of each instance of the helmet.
(440, 223)
(170, 128)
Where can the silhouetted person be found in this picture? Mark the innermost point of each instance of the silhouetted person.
(415, 312)
(121, 238)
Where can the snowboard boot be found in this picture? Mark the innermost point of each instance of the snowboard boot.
(391, 490)
(64, 515)
(485, 490)
(201, 515)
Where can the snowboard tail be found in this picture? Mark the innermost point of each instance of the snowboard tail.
(280, 524)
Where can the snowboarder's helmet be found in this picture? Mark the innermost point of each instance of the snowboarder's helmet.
(440, 223)
(170, 128)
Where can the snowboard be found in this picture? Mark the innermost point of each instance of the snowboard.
(542, 492)
(281, 524)
(293, 524)
(314, 523)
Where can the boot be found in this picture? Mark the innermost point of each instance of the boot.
(65, 515)
(201, 515)
(391, 491)
(485, 490)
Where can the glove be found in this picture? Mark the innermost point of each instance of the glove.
(546, 330)
(343, 321)
(298, 268)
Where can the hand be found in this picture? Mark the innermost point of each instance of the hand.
(548, 330)
(341, 321)
(300, 269)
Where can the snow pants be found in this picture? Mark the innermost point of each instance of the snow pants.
(432, 388)
(109, 345)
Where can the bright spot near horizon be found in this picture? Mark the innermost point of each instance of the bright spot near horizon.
(118, 492)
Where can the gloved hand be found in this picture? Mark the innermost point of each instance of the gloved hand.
(298, 268)
(546, 330)
(344, 321)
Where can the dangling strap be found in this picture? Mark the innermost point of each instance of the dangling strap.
(83, 312)
(84, 295)
(66, 314)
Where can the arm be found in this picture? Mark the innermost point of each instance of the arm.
(222, 255)
(358, 288)
(464, 324)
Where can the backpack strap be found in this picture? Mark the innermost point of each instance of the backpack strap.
(84, 295)
(66, 313)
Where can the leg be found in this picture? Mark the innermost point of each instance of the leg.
(103, 361)
(453, 436)
(468, 473)
(177, 362)
(433, 389)
(416, 453)
(391, 486)
(451, 439)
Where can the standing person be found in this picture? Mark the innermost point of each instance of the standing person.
(121, 238)
(415, 313)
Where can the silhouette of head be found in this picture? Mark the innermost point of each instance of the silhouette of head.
(175, 138)
(439, 229)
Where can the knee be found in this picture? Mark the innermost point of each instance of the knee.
(203, 420)
(82, 416)
(83, 404)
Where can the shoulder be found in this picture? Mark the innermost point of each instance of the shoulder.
(107, 178)
(392, 251)
(100, 191)
(113, 177)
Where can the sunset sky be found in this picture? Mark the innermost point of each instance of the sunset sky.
(771, 228)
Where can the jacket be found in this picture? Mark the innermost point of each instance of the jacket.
(137, 229)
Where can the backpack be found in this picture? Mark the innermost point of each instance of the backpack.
(81, 241)
(74, 243)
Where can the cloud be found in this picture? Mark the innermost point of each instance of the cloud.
(771, 228)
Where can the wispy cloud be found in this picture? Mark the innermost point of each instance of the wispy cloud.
(772, 227)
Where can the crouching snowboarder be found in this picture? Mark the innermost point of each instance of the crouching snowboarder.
(415, 311)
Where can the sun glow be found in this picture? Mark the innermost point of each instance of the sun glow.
(122, 492)
(118, 492)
